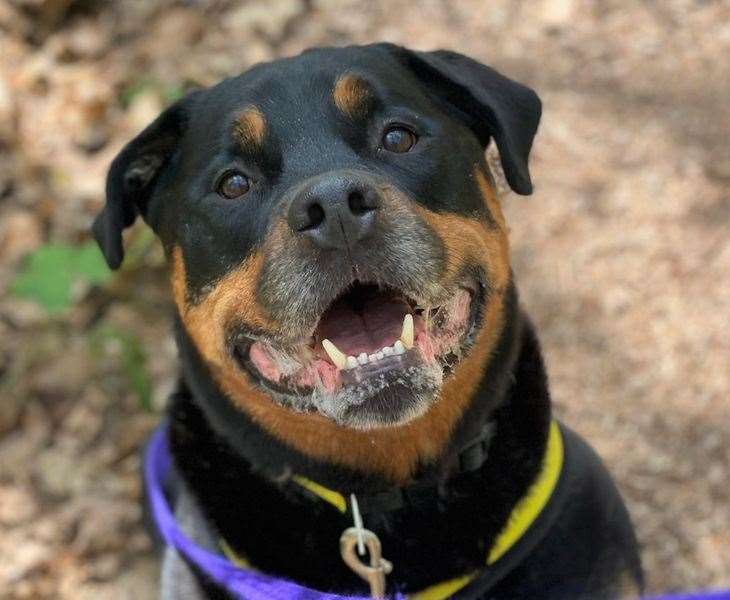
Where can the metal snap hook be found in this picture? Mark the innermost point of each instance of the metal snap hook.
(375, 572)
(361, 538)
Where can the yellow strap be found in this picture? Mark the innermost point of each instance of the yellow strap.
(233, 556)
(530, 507)
(445, 589)
(334, 498)
(522, 516)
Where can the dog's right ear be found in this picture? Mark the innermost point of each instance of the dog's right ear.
(132, 177)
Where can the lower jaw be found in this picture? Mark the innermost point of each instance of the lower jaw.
(386, 397)
(391, 392)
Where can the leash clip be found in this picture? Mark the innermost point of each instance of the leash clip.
(361, 538)
(375, 572)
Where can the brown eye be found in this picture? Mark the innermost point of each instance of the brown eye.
(233, 185)
(399, 139)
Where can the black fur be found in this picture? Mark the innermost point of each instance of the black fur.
(449, 93)
(492, 105)
(235, 469)
(132, 177)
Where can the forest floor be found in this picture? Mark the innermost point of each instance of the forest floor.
(622, 255)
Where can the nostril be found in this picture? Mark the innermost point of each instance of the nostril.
(358, 205)
(315, 216)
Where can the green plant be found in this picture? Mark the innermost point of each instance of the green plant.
(168, 92)
(53, 274)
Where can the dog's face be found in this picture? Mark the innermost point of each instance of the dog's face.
(337, 249)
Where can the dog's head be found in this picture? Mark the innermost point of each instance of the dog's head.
(338, 254)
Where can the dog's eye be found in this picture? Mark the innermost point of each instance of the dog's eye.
(399, 139)
(233, 185)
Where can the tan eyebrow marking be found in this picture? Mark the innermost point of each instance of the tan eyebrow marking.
(352, 95)
(250, 127)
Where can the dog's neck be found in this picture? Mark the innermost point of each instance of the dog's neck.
(234, 486)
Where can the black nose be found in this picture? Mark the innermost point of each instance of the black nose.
(335, 210)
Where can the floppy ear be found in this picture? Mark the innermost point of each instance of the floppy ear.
(132, 177)
(489, 103)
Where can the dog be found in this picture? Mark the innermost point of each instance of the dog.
(356, 367)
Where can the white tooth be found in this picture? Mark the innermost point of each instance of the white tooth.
(362, 358)
(399, 348)
(334, 353)
(379, 354)
(373, 357)
(387, 351)
(351, 362)
(406, 335)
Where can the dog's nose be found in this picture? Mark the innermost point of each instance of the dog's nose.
(335, 211)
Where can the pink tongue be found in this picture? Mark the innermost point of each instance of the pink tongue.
(379, 324)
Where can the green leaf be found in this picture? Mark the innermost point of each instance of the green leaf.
(90, 264)
(52, 273)
(173, 92)
(169, 92)
(129, 93)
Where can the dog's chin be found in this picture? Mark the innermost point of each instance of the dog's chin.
(398, 394)
(376, 358)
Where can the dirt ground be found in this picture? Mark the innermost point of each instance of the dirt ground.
(622, 255)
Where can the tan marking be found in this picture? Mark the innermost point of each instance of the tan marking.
(231, 298)
(250, 128)
(468, 241)
(392, 452)
(351, 95)
(490, 197)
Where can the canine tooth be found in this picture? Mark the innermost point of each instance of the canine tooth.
(399, 348)
(406, 335)
(335, 354)
(379, 354)
(351, 362)
(362, 358)
(387, 351)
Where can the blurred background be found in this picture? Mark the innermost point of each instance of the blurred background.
(622, 255)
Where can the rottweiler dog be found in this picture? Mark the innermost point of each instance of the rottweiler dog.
(351, 341)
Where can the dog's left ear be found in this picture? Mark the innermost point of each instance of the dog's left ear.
(489, 103)
(132, 176)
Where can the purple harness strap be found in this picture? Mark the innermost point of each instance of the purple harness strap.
(241, 583)
(717, 595)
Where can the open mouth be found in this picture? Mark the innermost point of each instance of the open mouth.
(375, 351)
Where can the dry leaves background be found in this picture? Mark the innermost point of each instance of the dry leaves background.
(622, 254)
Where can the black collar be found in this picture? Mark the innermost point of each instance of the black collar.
(470, 458)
